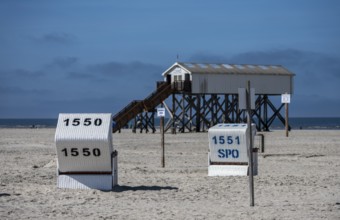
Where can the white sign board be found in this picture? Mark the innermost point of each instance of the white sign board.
(242, 98)
(160, 112)
(285, 98)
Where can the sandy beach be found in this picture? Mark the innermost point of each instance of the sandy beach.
(299, 178)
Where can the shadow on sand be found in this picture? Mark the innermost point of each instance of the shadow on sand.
(4, 194)
(119, 188)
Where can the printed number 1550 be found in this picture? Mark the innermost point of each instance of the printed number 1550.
(85, 122)
(77, 152)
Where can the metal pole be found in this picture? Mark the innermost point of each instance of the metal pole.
(250, 148)
(286, 121)
(162, 140)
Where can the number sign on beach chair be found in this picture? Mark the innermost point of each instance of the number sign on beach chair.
(228, 150)
(86, 159)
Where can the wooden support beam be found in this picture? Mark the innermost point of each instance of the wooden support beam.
(198, 112)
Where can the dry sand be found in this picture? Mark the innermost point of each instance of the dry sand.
(299, 178)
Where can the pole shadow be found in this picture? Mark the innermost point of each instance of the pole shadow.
(4, 194)
(123, 188)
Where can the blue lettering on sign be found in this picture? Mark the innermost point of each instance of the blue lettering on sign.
(228, 153)
(226, 139)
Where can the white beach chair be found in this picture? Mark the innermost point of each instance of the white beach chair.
(86, 159)
(228, 150)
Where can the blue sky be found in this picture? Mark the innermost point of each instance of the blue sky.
(97, 56)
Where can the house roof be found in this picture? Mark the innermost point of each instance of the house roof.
(243, 69)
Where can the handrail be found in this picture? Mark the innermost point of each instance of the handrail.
(130, 111)
(161, 87)
(132, 103)
(151, 100)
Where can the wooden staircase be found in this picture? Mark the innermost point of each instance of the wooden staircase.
(135, 107)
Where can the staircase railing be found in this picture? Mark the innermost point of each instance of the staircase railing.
(137, 106)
